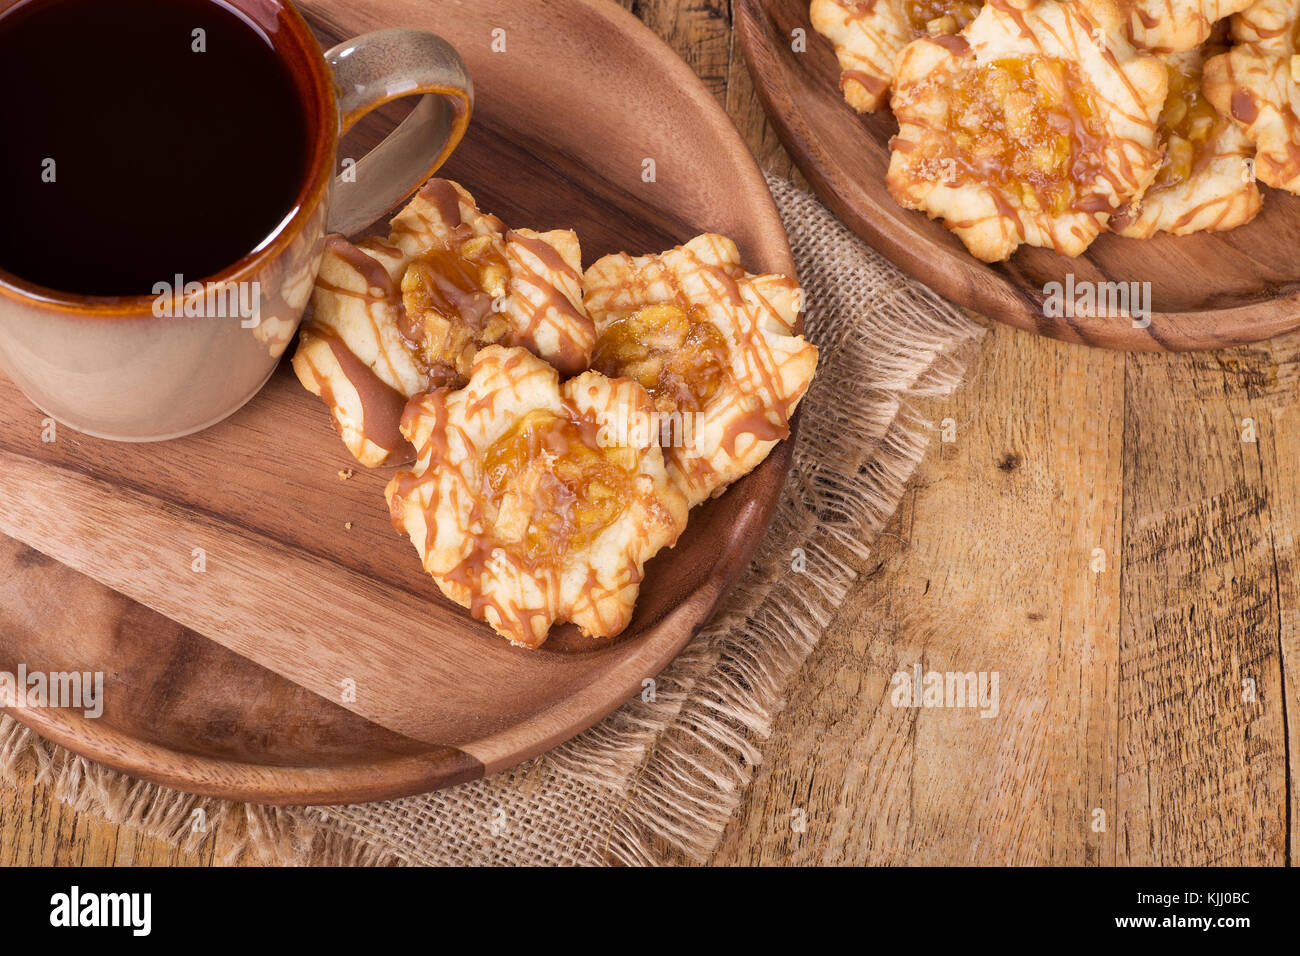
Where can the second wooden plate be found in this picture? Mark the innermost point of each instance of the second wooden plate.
(1206, 290)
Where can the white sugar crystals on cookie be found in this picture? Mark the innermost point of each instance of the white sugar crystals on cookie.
(396, 317)
(523, 504)
(1206, 181)
(1257, 84)
(868, 35)
(715, 346)
(1032, 126)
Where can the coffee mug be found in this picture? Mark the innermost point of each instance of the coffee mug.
(183, 357)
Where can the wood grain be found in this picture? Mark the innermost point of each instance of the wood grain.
(1122, 690)
(1111, 655)
(986, 568)
(1202, 760)
(1208, 290)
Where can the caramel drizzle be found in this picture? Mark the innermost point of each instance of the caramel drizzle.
(446, 200)
(1138, 10)
(1225, 204)
(452, 285)
(1092, 148)
(469, 573)
(876, 78)
(575, 330)
(954, 43)
(765, 421)
(858, 13)
(381, 405)
(858, 9)
(764, 415)
(373, 272)
(1246, 109)
(376, 277)
(869, 81)
(435, 459)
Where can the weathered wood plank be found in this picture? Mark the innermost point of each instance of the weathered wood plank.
(1202, 759)
(987, 567)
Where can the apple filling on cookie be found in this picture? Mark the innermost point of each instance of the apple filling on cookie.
(397, 317)
(715, 348)
(526, 505)
(940, 17)
(675, 352)
(1031, 126)
(447, 300)
(868, 35)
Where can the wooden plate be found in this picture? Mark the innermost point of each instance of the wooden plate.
(197, 695)
(1207, 290)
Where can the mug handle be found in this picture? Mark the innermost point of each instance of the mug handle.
(377, 68)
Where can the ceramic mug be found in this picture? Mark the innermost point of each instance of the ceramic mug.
(154, 367)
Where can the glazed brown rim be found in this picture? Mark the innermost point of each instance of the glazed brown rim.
(400, 776)
(302, 48)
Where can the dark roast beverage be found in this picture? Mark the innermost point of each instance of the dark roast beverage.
(139, 140)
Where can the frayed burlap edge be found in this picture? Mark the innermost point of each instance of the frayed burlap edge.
(673, 769)
(265, 834)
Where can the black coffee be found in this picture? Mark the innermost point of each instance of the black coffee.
(134, 148)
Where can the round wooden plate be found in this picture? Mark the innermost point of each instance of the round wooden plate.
(1206, 290)
(567, 117)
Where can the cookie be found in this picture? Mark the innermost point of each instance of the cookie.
(1257, 85)
(715, 347)
(524, 506)
(868, 35)
(1032, 126)
(1176, 26)
(399, 316)
(1206, 181)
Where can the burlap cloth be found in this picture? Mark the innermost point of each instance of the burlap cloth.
(657, 780)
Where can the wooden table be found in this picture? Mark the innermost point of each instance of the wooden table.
(1112, 534)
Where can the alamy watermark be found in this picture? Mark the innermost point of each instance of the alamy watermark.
(209, 300)
(64, 689)
(75, 908)
(1084, 298)
(950, 689)
(629, 428)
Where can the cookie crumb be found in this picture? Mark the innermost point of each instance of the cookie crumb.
(345, 474)
(347, 526)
